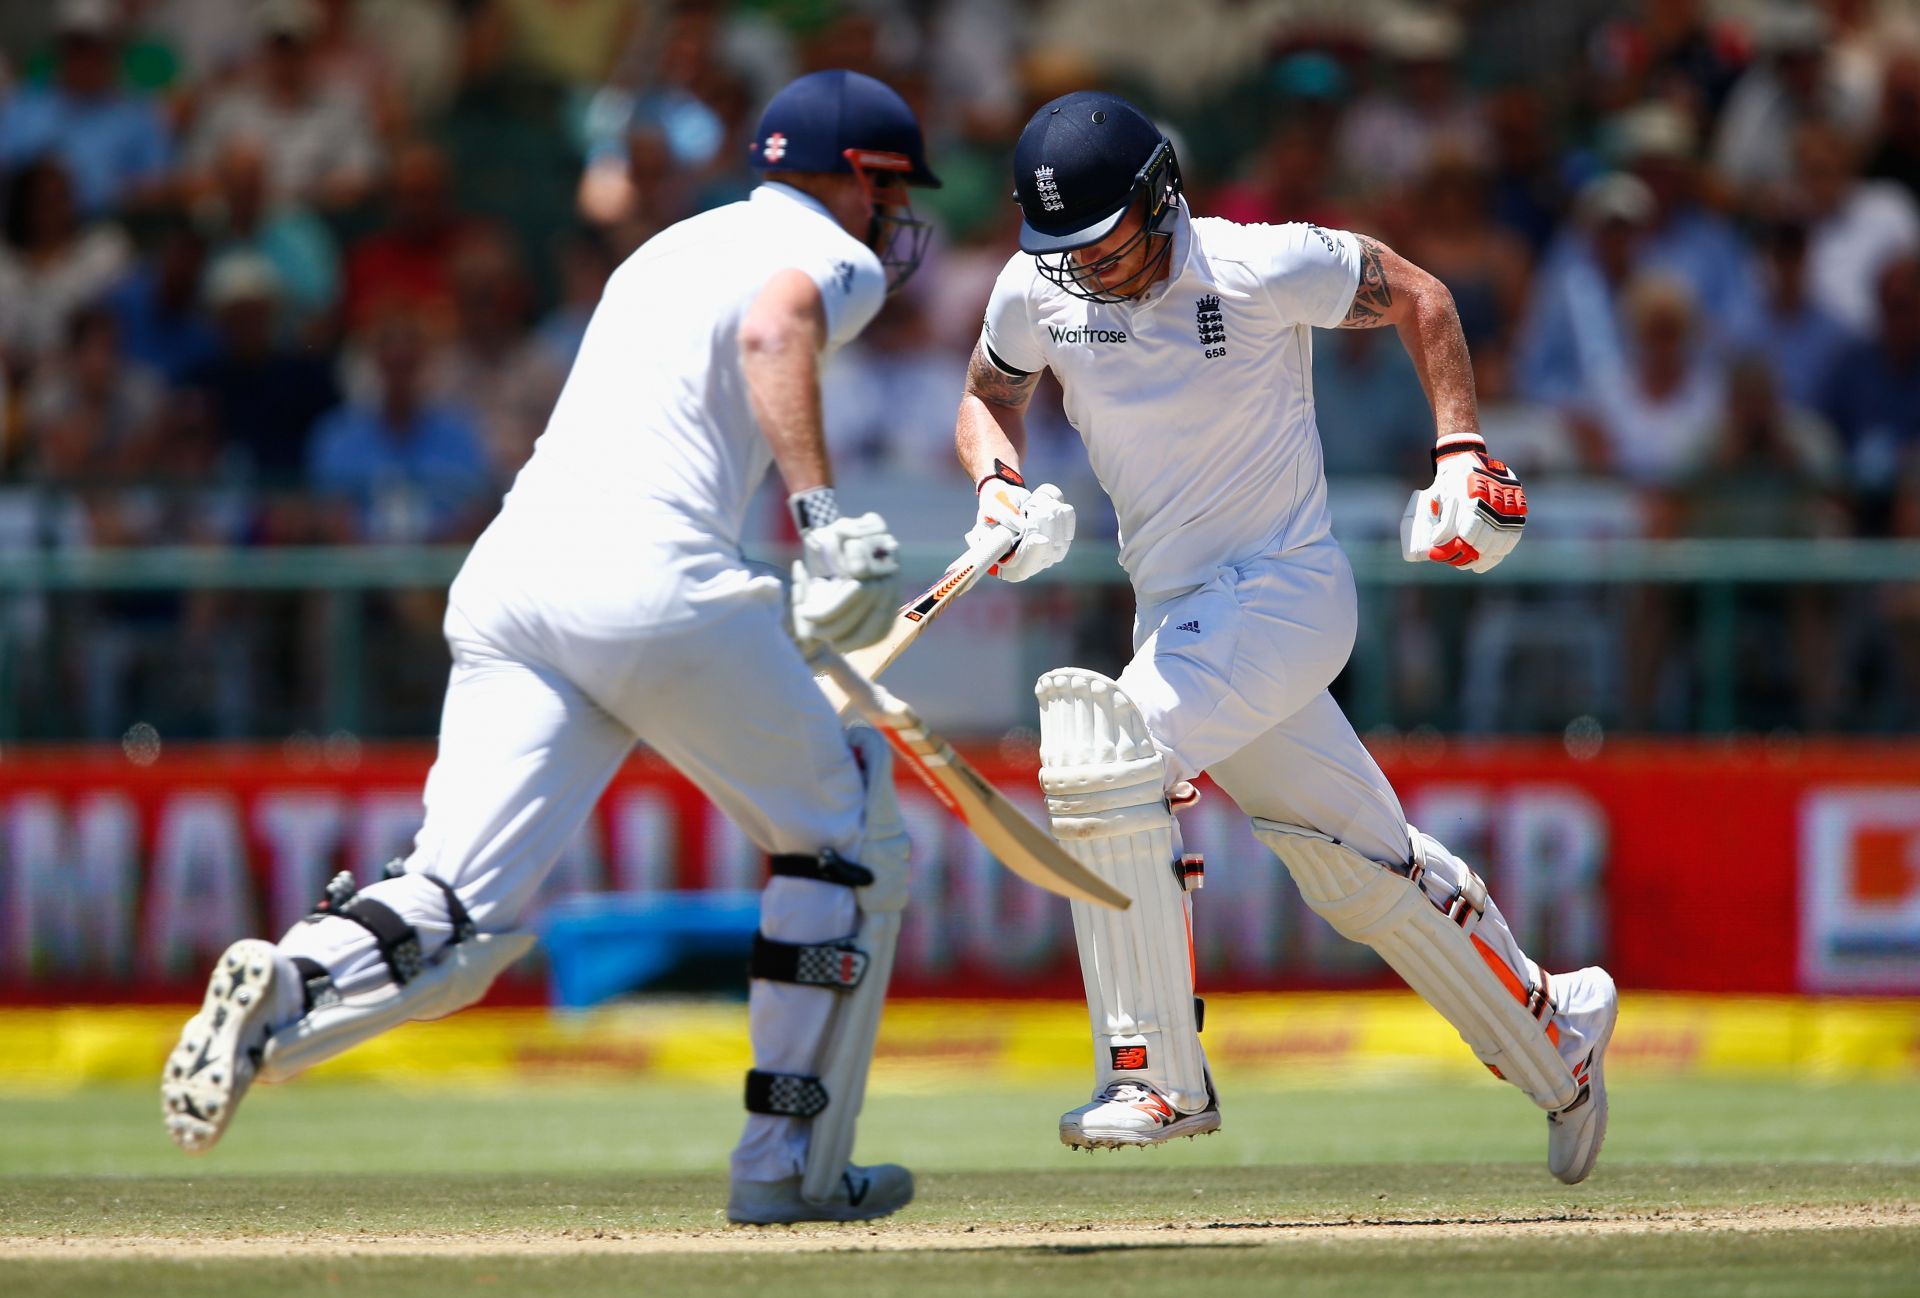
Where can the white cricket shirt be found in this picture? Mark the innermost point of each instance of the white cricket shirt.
(1196, 403)
(653, 442)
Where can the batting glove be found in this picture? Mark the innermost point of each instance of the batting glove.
(1472, 515)
(846, 584)
(1041, 521)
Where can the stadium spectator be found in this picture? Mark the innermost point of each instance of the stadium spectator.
(1530, 194)
(1687, 240)
(242, 215)
(401, 466)
(1572, 325)
(159, 305)
(114, 146)
(52, 264)
(1769, 470)
(1855, 227)
(585, 262)
(1799, 338)
(1389, 137)
(350, 62)
(636, 194)
(492, 365)
(1873, 397)
(1896, 150)
(1373, 414)
(1289, 179)
(1483, 265)
(318, 138)
(92, 415)
(404, 264)
(1793, 85)
(889, 395)
(1650, 419)
(572, 44)
(1679, 50)
(259, 396)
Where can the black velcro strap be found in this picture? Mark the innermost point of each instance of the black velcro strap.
(828, 867)
(457, 916)
(399, 944)
(828, 964)
(316, 984)
(1199, 1015)
(785, 1095)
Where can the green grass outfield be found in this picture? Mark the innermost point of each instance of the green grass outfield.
(1706, 1189)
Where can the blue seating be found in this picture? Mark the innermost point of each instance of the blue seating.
(606, 944)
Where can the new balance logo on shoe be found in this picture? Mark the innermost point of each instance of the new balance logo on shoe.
(1189, 626)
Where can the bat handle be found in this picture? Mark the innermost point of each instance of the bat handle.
(993, 548)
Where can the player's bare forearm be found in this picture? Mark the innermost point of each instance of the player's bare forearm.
(992, 422)
(781, 338)
(1394, 291)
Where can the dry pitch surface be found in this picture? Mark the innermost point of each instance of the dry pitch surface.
(1760, 1189)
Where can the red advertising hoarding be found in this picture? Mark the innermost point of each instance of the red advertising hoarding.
(1702, 866)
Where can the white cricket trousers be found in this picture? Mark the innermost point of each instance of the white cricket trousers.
(1232, 680)
(536, 722)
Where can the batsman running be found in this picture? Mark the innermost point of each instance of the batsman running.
(1183, 347)
(609, 602)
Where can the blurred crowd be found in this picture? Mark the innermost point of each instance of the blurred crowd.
(313, 271)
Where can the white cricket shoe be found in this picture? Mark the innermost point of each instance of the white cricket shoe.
(1134, 1113)
(1575, 1133)
(219, 1048)
(862, 1194)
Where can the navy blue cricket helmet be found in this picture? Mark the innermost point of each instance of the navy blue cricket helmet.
(1082, 163)
(822, 121)
(848, 123)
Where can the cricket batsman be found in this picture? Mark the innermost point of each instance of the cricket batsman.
(1183, 347)
(609, 602)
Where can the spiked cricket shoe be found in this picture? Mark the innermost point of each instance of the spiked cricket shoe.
(1575, 1133)
(862, 1194)
(1134, 1113)
(219, 1049)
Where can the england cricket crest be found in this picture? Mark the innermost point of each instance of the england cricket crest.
(776, 148)
(1048, 189)
(1211, 325)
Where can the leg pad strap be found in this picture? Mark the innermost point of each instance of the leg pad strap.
(839, 965)
(785, 1095)
(828, 867)
(316, 984)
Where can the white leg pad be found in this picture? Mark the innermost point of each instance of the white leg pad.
(458, 975)
(846, 1051)
(1434, 924)
(1106, 797)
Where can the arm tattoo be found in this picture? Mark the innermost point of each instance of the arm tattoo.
(1371, 298)
(994, 385)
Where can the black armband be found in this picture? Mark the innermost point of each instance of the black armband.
(1006, 369)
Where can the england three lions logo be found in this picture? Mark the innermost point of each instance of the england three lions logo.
(1049, 190)
(1211, 325)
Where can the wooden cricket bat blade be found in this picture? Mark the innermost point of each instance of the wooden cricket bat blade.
(1002, 828)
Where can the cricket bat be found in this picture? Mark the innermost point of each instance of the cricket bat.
(916, 613)
(1015, 841)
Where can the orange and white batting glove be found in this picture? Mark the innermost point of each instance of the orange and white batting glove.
(1041, 521)
(1472, 515)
